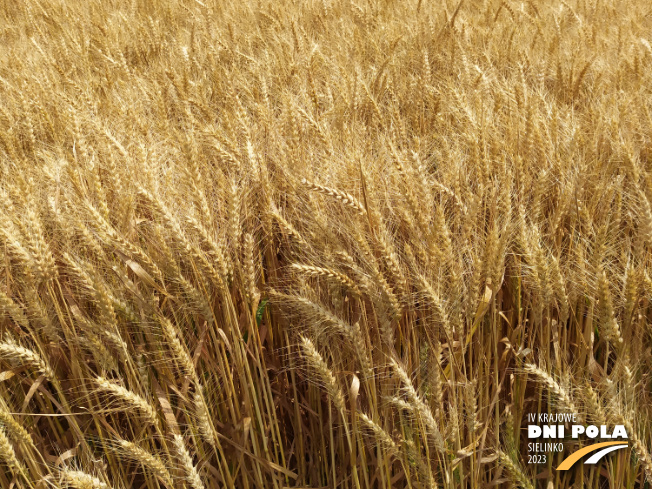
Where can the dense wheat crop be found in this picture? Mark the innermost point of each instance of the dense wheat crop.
(322, 244)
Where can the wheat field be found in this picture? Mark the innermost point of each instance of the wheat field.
(322, 244)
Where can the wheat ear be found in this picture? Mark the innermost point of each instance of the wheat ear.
(419, 406)
(132, 451)
(82, 480)
(515, 470)
(328, 273)
(11, 350)
(192, 475)
(128, 397)
(562, 396)
(8, 454)
(318, 364)
(345, 198)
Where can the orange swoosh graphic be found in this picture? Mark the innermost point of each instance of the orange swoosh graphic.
(574, 457)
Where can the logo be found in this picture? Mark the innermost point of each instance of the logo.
(553, 427)
(602, 448)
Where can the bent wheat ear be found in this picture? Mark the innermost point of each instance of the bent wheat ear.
(8, 306)
(328, 273)
(180, 351)
(13, 351)
(318, 364)
(610, 328)
(562, 396)
(249, 270)
(192, 475)
(128, 398)
(203, 416)
(287, 226)
(152, 462)
(16, 430)
(8, 455)
(515, 470)
(645, 459)
(81, 480)
(345, 198)
(381, 435)
(418, 406)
